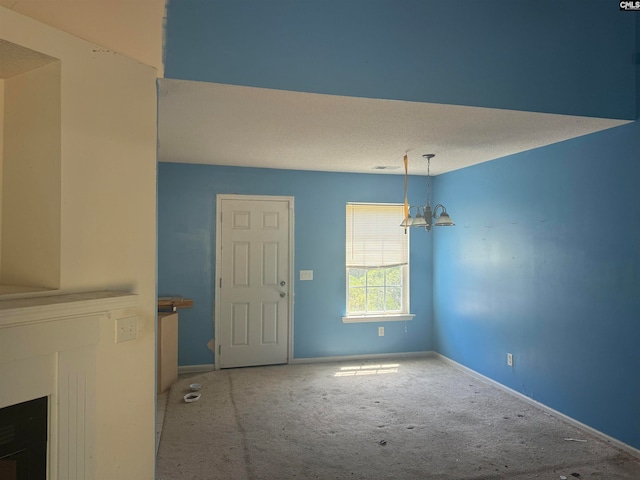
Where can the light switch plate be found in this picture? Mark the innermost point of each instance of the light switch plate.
(306, 274)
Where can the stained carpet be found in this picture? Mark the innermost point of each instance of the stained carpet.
(397, 419)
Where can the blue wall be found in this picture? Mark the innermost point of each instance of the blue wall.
(545, 264)
(544, 260)
(186, 256)
(558, 56)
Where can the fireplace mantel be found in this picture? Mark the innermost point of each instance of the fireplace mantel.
(49, 308)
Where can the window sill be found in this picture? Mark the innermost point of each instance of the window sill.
(402, 317)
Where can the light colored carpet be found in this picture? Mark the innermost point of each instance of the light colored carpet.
(405, 419)
(161, 408)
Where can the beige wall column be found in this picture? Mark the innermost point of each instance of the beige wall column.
(107, 225)
(1, 160)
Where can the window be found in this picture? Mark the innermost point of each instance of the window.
(377, 253)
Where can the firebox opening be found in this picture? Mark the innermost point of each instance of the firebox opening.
(23, 440)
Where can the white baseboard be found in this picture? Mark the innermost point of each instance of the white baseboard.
(360, 358)
(207, 367)
(616, 443)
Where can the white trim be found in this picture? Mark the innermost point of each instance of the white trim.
(216, 284)
(216, 305)
(207, 367)
(292, 275)
(359, 358)
(603, 436)
(401, 317)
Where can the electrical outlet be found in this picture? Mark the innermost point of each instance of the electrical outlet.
(381, 331)
(126, 329)
(510, 359)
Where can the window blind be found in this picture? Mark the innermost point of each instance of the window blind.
(374, 236)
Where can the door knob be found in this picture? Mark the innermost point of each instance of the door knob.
(283, 283)
(282, 294)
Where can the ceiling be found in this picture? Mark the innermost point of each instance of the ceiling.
(16, 60)
(209, 123)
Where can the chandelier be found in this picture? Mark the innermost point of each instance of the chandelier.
(424, 214)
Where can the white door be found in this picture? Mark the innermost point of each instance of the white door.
(254, 275)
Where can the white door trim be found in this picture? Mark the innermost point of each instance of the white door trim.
(216, 304)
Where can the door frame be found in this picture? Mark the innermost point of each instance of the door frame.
(220, 197)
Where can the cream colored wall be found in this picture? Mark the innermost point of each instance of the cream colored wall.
(31, 170)
(1, 158)
(134, 28)
(108, 225)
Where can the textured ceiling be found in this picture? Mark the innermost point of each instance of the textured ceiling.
(219, 124)
(15, 60)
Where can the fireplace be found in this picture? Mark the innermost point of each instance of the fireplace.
(48, 350)
(23, 440)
